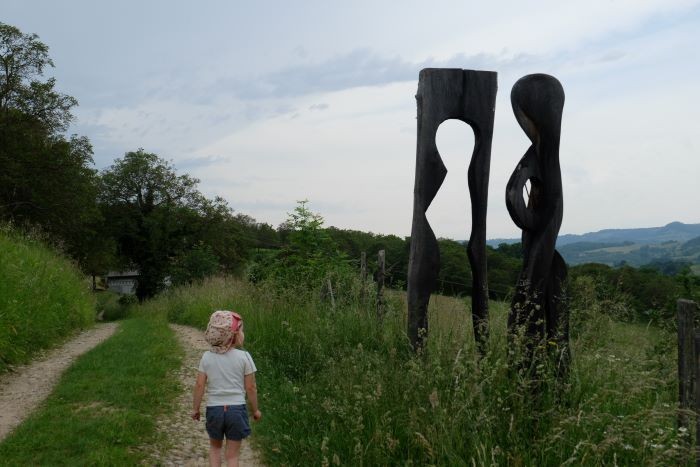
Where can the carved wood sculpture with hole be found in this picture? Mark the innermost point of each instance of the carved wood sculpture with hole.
(538, 306)
(538, 310)
(469, 96)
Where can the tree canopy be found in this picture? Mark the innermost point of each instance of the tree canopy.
(46, 179)
(23, 59)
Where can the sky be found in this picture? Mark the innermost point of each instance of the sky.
(272, 102)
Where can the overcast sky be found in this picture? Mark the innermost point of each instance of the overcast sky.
(272, 102)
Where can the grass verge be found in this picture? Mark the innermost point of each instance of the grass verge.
(43, 298)
(105, 404)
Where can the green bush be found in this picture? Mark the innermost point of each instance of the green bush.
(111, 306)
(43, 298)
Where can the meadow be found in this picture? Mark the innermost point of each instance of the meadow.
(339, 387)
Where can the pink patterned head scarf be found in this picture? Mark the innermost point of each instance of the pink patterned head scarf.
(223, 325)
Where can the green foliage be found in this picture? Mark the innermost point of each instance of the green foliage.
(396, 250)
(308, 260)
(46, 179)
(336, 388)
(112, 306)
(105, 406)
(649, 294)
(43, 298)
(195, 265)
(514, 250)
(23, 59)
(163, 225)
(668, 267)
(455, 276)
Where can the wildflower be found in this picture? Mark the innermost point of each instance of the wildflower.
(358, 449)
(378, 391)
(433, 398)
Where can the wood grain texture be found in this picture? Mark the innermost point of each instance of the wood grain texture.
(469, 96)
(539, 309)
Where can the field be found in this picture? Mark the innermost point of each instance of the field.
(337, 387)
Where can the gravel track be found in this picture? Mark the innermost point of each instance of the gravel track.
(26, 386)
(186, 441)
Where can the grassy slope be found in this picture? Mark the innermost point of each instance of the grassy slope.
(43, 299)
(335, 388)
(105, 405)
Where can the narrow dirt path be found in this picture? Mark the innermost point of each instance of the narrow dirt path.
(23, 389)
(187, 440)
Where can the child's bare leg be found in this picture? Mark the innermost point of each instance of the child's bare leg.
(233, 450)
(215, 452)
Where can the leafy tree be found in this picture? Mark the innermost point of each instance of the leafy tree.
(307, 259)
(354, 242)
(514, 250)
(503, 270)
(194, 265)
(46, 180)
(161, 221)
(455, 276)
(23, 59)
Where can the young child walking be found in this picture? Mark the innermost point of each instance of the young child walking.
(228, 373)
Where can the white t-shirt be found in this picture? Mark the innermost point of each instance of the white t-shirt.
(225, 376)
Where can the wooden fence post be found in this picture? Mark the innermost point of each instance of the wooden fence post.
(380, 284)
(686, 359)
(696, 368)
(363, 275)
(330, 291)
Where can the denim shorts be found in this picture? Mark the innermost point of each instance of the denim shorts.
(228, 420)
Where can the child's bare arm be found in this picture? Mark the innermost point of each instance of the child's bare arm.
(198, 393)
(251, 390)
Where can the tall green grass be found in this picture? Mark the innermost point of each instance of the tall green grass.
(337, 388)
(43, 298)
(103, 410)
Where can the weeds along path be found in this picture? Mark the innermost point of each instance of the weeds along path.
(187, 443)
(24, 388)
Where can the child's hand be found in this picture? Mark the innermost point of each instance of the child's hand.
(195, 415)
(257, 415)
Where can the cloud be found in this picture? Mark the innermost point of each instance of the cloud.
(358, 68)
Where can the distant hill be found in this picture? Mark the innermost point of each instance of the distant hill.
(675, 231)
(674, 242)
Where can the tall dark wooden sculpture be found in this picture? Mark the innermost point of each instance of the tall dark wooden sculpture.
(538, 309)
(469, 96)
